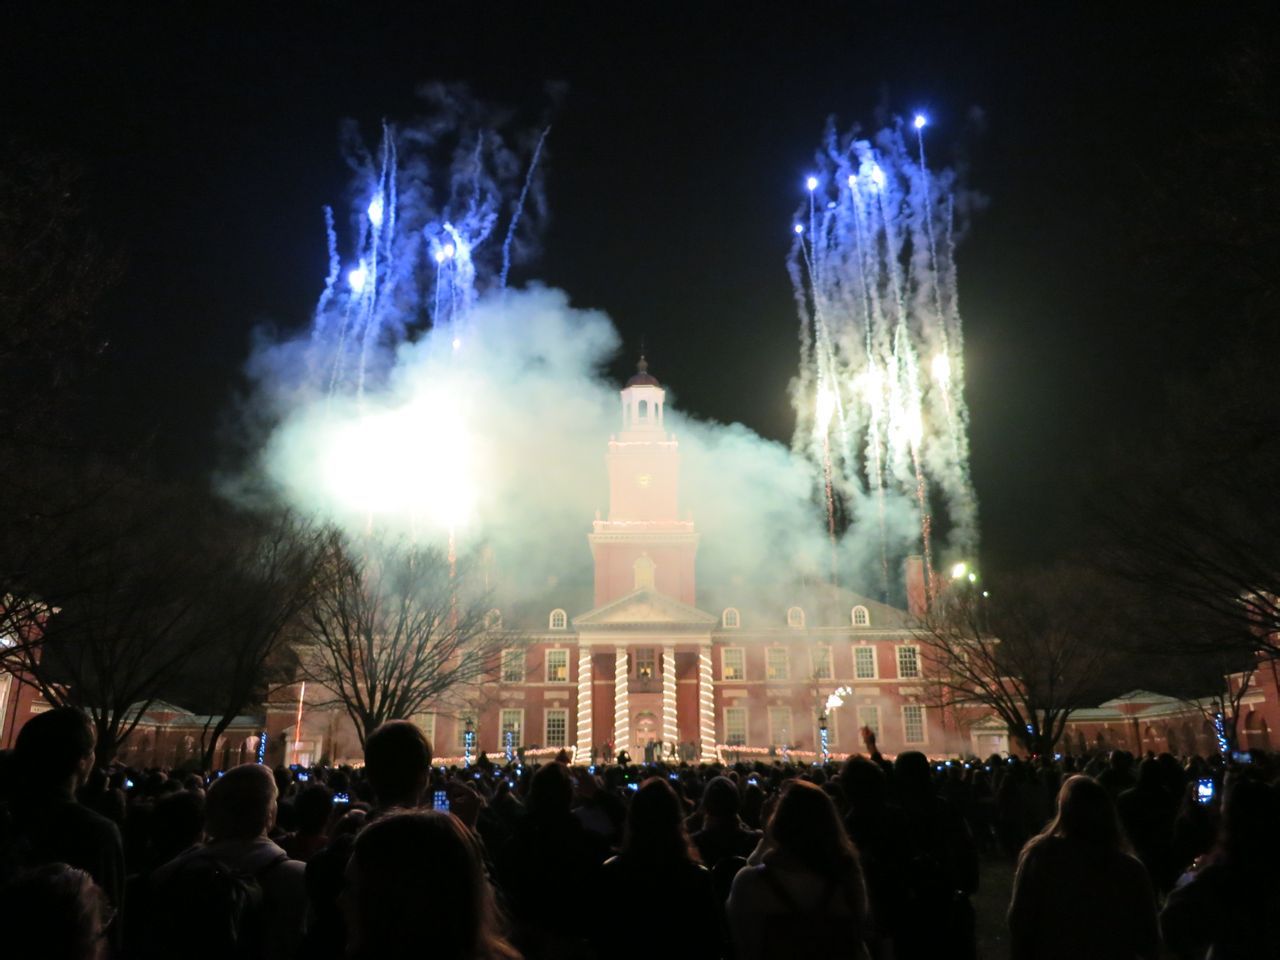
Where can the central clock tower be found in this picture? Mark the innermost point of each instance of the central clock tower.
(643, 543)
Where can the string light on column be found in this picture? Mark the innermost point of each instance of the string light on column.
(706, 707)
(670, 726)
(584, 703)
(621, 704)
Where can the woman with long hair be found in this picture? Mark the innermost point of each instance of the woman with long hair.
(1079, 891)
(807, 896)
(416, 886)
(656, 878)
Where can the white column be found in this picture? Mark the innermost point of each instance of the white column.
(706, 706)
(583, 754)
(670, 728)
(621, 704)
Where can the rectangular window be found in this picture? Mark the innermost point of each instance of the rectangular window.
(426, 722)
(513, 666)
(735, 726)
(780, 726)
(869, 717)
(512, 722)
(908, 663)
(733, 664)
(913, 723)
(821, 663)
(557, 728)
(646, 663)
(864, 662)
(463, 720)
(557, 666)
(777, 664)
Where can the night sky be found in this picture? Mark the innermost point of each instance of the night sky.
(209, 138)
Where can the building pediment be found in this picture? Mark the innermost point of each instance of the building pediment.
(645, 609)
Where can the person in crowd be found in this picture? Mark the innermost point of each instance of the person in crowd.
(1226, 907)
(52, 758)
(312, 809)
(940, 867)
(1078, 892)
(807, 897)
(239, 890)
(60, 914)
(877, 830)
(723, 833)
(1147, 813)
(397, 760)
(657, 855)
(549, 854)
(411, 865)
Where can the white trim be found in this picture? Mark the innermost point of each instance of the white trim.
(924, 724)
(546, 667)
(742, 664)
(897, 656)
(875, 661)
(736, 617)
(866, 617)
(746, 727)
(813, 661)
(502, 667)
(502, 728)
(877, 727)
(786, 664)
(547, 714)
(795, 618)
(775, 734)
(559, 620)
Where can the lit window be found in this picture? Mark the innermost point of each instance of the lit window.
(780, 726)
(733, 664)
(795, 617)
(864, 662)
(777, 664)
(646, 663)
(512, 721)
(821, 663)
(557, 666)
(557, 728)
(513, 666)
(908, 663)
(869, 717)
(559, 620)
(735, 726)
(913, 723)
(861, 618)
(730, 618)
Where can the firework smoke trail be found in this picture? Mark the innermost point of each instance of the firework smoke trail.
(881, 340)
(519, 209)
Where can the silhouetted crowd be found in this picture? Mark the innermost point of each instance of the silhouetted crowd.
(400, 858)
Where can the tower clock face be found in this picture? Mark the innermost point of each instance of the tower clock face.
(644, 480)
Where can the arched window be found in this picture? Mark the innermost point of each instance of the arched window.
(559, 620)
(730, 618)
(861, 617)
(643, 569)
(795, 617)
(642, 409)
(493, 619)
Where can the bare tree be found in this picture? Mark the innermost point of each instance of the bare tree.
(250, 612)
(394, 627)
(1033, 649)
(121, 582)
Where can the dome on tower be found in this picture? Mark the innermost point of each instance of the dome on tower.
(642, 377)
